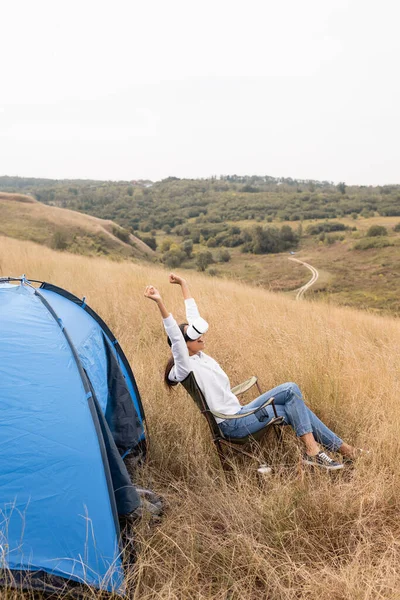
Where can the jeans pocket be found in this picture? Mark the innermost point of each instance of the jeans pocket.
(229, 426)
(262, 415)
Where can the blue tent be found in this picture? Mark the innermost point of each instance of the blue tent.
(70, 411)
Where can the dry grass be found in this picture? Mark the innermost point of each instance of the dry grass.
(17, 198)
(295, 535)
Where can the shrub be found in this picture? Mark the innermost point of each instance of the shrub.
(174, 257)
(187, 247)
(150, 241)
(327, 226)
(59, 240)
(234, 230)
(223, 255)
(270, 240)
(203, 260)
(341, 187)
(195, 237)
(396, 227)
(122, 234)
(331, 239)
(376, 230)
(389, 211)
(226, 239)
(166, 244)
(374, 242)
(288, 236)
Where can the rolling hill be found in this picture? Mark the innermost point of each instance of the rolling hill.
(25, 218)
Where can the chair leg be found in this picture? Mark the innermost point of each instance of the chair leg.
(220, 442)
(261, 465)
(272, 404)
(278, 433)
(274, 409)
(221, 454)
(238, 450)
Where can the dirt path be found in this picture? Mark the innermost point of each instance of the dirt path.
(301, 291)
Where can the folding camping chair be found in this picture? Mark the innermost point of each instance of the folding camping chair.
(220, 440)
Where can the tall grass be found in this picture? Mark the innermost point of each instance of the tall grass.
(296, 534)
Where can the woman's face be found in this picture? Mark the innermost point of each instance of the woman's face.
(195, 346)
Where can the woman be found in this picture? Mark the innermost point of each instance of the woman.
(187, 345)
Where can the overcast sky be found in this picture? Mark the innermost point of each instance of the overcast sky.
(134, 90)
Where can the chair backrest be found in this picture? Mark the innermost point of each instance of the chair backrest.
(192, 387)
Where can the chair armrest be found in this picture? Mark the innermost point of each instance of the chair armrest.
(243, 387)
(242, 415)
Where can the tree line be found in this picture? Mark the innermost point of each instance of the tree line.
(200, 209)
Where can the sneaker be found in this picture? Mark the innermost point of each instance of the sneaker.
(323, 461)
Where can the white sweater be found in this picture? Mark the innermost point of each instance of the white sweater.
(212, 380)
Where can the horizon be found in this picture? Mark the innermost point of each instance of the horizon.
(207, 178)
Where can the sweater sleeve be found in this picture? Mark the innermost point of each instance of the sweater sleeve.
(181, 368)
(192, 312)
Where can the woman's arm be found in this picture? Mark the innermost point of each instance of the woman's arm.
(153, 294)
(181, 368)
(192, 312)
(183, 283)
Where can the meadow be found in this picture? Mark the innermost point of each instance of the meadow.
(296, 534)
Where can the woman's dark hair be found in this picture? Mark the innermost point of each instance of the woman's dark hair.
(170, 363)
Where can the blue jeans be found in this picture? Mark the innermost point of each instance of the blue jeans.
(290, 405)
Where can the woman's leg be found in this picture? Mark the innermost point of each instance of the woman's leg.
(289, 405)
(323, 434)
(282, 394)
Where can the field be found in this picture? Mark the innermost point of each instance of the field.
(292, 536)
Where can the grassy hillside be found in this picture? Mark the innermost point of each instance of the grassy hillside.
(242, 228)
(295, 536)
(25, 218)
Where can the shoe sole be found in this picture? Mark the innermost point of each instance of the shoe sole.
(315, 464)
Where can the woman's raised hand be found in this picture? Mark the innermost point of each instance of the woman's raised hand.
(176, 279)
(173, 278)
(152, 293)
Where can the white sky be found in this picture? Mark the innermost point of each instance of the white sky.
(129, 90)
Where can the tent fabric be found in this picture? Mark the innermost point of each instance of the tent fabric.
(69, 318)
(120, 413)
(63, 483)
(126, 497)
